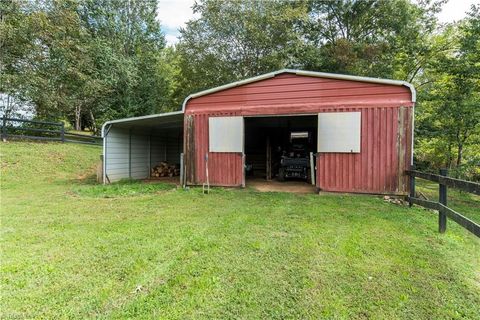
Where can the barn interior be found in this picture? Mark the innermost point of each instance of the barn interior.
(269, 139)
(136, 146)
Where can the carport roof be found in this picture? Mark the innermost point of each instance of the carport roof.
(164, 120)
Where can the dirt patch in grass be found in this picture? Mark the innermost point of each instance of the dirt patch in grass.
(292, 186)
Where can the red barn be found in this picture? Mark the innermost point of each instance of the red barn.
(360, 130)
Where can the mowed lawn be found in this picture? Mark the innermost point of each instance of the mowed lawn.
(71, 248)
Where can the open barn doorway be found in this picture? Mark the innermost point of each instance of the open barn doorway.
(278, 152)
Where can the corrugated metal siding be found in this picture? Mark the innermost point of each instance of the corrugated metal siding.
(158, 145)
(139, 156)
(127, 154)
(117, 154)
(166, 146)
(375, 169)
(174, 146)
(225, 168)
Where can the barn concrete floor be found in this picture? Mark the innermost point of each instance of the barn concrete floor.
(259, 184)
(291, 186)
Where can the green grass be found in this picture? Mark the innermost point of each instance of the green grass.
(124, 188)
(73, 249)
(87, 133)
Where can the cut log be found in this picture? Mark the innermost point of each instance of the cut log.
(163, 169)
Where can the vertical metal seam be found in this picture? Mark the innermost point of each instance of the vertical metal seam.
(130, 153)
(165, 148)
(104, 164)
(149, 154)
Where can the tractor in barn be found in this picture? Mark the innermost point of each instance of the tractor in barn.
(295, 162)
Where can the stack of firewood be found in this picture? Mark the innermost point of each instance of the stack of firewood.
(163, 169)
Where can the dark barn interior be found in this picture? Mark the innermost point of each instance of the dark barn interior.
(268, 139)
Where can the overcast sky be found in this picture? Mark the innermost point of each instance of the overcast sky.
(174, 13)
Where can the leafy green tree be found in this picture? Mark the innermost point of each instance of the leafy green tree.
(18, 58)
(379, 38)
(238, 39)
(168, 67)
(449, 111)
(87, 61)
(129, 41)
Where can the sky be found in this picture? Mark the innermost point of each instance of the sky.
(173, 14)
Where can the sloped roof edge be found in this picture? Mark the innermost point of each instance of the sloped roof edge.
(303, 73)
(151, 116)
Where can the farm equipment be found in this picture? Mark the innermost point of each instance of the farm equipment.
(295, 163)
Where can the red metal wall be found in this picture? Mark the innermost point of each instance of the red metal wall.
(224, 168)
(374, 170)
(379, 167)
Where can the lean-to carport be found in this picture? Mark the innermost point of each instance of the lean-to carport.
(132, 146)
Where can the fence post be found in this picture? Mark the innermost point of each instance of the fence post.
(412, 186)
(62, 132)
(442, 198)
(4, 128)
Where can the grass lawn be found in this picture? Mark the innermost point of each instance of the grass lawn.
(73, 249)
(87, 133)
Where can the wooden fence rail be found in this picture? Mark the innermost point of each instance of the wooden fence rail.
(441, 206)
(43, 130)
(467, 186)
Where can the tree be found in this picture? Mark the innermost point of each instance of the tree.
(232, 40)
(127, 48)
(450, 106)
(86, 61)
(168, 67)
(379, 38)
(17, 59)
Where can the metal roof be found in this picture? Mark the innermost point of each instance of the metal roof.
(303, 73)
(168, 119)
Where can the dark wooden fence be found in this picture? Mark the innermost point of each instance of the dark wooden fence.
(441, 206)
(43, 130)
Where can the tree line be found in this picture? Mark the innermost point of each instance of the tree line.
(88, 61)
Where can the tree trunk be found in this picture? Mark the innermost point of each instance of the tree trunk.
(78, 118)
(449, 156)
(6, 113)
(94, 125)
(459, 154)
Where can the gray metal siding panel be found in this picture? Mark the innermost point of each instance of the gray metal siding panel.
(167, 146)
(140, 159)
(174, 147)
(116, 154)
(158, 147)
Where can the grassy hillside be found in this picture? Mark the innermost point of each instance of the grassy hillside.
(73, 249)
